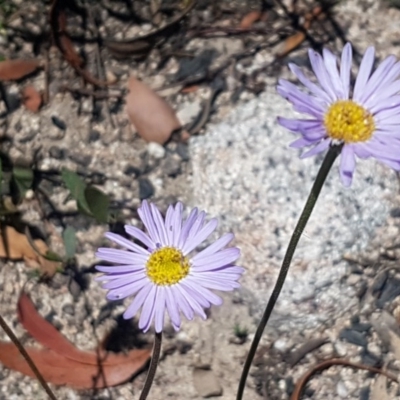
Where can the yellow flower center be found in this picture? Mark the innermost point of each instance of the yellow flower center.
(167, 266)
(347, 121)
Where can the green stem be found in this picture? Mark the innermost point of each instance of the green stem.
(329, 159)
(153, 366)
(28, 359)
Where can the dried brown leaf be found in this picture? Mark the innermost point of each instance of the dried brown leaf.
(61, 363)
(153, 118)
(16, 69)
(15, 246)
(59, 370)
(31, 98)
(249, 19)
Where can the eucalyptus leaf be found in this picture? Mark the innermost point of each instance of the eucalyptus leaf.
(69, 239)
(76, 186)
(98, 203)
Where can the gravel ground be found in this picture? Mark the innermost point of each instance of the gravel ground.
(343, 285)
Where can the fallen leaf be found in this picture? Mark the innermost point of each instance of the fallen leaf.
(190, 89)
(61, 363)
(15, 246)
(249, 19)
(31, 98)
(16, 69)
(60, 370)
(153, 118)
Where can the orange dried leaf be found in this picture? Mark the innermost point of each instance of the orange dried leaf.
(15, 246)
(61, 363)
(17, 69)
(31, 98)
(153, 118)
(249, 19)
(113, 370)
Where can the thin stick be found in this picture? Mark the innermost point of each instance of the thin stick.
(28, 359)
(153, 366)
(329, 159)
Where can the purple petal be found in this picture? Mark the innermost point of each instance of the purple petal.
(330, 62)
(177, 227)
(159, 309)
(148, 310)
(319, 148)
(120, 256)
(301, 142)
(347, 165)
(345, 68)
(140, 235)
(202, 235)
(119, 268)
(169, 225)
(172, 307)
(321, 73)
(159, 224)
(217, 260)
(378, 77)
(127, 290)
(192, 303)
(187, 226)
(312, 87)
(211, 297)
(214, 248)
(182, 303)
(122, 280)
(138, 301)
(364, 73)
(147, 218)
(126, 243)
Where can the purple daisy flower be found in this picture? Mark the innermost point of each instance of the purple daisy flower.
(162, 275)
(364, 117)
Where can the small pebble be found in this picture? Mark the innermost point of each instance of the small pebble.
(146, 189)
(155, 150)
(342, 390)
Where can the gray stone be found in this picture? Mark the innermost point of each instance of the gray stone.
(206, 383)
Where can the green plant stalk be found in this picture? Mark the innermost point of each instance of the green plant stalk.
(153, 366)
(326, 165)
(28, 359)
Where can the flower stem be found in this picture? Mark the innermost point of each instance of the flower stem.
(329, 159)
(153, 366)
(28, 359)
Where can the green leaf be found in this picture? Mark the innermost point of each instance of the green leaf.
(76, 186)
(98, 203)
(23, 178)
(69, 239)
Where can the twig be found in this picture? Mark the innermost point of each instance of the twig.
(329, 363)
(28, 359)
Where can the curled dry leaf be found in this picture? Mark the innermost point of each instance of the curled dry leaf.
(153, 118)
(31, 98)
(16, 69)
(16, 246)
(61, 363)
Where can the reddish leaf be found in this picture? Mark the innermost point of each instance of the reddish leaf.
(61, 363)
(17, 69)
(59, 370)
(46, 334)
(153, 118)
(31, 98)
